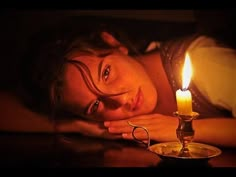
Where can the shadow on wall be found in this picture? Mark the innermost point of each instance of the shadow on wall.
(18, 26)
(219, 24)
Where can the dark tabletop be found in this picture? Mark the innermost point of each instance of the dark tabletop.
(56, 151)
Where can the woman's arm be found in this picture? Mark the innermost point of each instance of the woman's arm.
(15, 117)
(86, 127)
(215, 131)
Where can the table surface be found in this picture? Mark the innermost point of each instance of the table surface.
(74, 151)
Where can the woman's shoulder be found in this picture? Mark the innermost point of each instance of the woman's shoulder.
(178, 43)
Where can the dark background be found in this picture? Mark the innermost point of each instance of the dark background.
(37, 150)
(18, 25)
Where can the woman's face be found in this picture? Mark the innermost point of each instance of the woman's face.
(112, 74)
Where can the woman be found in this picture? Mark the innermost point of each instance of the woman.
(93, 82)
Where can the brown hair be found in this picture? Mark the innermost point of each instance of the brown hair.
(43, 64)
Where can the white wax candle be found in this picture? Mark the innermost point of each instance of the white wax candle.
(184, 97)
(184, 102)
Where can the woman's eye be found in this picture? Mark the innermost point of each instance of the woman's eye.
(106, 72)
(94, 107)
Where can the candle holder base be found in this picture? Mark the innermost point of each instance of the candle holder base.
(184, 148)
(196, 151)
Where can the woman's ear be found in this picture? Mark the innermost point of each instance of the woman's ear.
(113, 42)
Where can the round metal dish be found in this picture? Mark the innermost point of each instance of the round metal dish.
(197, 151)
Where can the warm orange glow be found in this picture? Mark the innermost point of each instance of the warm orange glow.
(184, 97)
(186, 73)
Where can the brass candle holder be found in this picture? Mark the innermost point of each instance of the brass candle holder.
(185, 132)
(185, 148)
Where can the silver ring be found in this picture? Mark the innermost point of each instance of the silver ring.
(135, 138)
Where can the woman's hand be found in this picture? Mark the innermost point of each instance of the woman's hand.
(87, 128)
(161, 128)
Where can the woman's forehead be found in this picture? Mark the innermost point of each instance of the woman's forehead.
(91, 63)
(88, 60)
(89, 52)
(75, 89)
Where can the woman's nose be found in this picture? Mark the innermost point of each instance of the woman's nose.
(114, 102)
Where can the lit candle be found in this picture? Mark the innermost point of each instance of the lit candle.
(183, 96)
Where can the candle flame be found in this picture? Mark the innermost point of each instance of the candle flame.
(187, 72)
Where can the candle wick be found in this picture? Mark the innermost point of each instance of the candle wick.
(184, 89)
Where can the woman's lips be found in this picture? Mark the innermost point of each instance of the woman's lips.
(138, 100)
